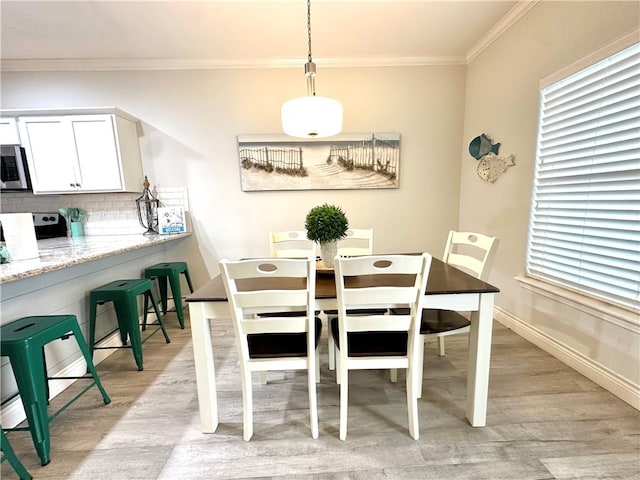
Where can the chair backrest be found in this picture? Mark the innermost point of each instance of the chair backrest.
(471, 252)
(291, 244)
(270, 285)
(393, 280)
(358, 242)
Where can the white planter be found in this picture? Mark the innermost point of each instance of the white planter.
(328, 251)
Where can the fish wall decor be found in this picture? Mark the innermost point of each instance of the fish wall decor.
(481, 145)
(490, 164)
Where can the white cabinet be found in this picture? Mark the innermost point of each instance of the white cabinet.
(82, 153)
(9, 131)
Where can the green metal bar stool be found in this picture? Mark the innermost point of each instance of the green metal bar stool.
(23, 342)
(171, 271)
(124, 295)
(10, 455)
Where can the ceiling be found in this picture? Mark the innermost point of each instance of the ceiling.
(238, 33)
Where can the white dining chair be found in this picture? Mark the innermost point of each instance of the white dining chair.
(274, 342)
(357, 242)
(379, 341)
(472, 253)
(291, 244)
(476, 260)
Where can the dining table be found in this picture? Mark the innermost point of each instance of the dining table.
(448, 288)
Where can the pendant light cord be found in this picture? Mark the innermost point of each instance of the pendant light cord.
(310, 67)
(309, 28)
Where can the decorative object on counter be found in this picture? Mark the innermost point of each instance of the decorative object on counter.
(147, 205)
(171, 220)
(490, 164)
(19, 235)
(326, 224)
(4, 254)
(74, 217)
(311, 116)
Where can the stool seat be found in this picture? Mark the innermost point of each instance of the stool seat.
(23, 342)
(171, 271)
(124, 295)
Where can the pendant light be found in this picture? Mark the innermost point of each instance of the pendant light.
(311, 116)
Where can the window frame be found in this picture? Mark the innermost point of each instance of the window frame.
(540, 276)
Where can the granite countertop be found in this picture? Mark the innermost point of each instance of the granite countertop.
(58, 253)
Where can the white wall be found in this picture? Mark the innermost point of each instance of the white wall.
(502, 101)
(190, 120)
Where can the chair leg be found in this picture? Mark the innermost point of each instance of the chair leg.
(145, 312)
(162, 285)
(93, 310)
(13, 459)
(188, 277)
(344, 400)
(393, 375)
(129, 309)
(247, 405)
(420, 365)
(123, 315)
(332, 352)
(176, 291)
(441, 346)
(29, 378)
(412, 403)
(160, 321)
(313, 399)
(90, 366)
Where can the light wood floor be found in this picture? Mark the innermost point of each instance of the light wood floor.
(544, 421)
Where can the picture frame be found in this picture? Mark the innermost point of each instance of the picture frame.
(341, 162)
(171, 220)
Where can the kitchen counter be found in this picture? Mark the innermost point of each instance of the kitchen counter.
(59, 253)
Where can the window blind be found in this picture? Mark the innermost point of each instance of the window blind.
(584, 231)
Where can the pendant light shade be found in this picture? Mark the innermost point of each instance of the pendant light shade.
(311, 116)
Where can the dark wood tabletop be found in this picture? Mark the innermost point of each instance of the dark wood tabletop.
(443, 279)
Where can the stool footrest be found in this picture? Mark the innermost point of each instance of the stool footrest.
(82, 392)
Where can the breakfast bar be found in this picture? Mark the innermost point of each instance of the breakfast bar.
(58, 281)
(64, 252)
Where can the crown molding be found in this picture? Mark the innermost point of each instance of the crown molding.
(94, 65)
(115, 64)
(511, 17)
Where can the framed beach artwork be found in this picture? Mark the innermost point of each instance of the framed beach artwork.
(342, 162)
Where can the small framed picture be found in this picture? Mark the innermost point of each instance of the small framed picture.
(171, 220)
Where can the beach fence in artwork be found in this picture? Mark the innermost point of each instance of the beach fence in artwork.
(345, 161)
(271, 158)
(373, 154)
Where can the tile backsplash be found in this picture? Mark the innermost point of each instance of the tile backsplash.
(107, 213)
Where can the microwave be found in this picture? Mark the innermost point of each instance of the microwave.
(14, 173)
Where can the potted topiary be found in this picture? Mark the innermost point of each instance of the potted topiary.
(326, 224)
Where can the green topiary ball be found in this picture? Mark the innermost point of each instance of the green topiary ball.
(325, 223)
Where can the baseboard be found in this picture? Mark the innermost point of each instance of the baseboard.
(614, 383)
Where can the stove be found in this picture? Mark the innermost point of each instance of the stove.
(49, 225)
(46, 225)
